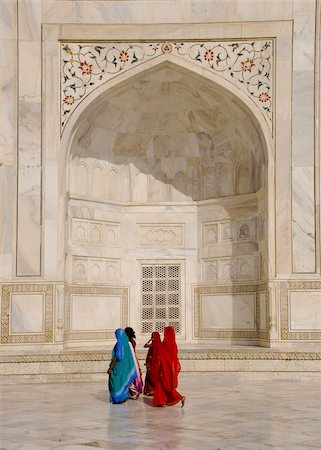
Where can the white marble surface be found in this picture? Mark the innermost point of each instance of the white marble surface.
(222, 411)
(95, 313)
(305, 310)
(27, 313)
(230, 312)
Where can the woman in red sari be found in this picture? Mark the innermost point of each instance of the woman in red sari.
(151, 377)
(165, 364)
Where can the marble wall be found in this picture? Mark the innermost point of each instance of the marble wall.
(166, 161)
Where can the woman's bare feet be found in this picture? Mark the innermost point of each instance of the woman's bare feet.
(134, 396)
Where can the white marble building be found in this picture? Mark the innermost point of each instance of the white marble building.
(159, 164)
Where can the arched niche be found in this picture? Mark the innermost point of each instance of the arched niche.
(170, 135)
(176, 128)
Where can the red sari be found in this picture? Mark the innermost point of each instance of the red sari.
(151, 377)
(165, 364)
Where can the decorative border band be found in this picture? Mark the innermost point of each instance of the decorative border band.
(184, 355)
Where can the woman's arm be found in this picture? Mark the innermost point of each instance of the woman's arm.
(148, 344)
(111, 365)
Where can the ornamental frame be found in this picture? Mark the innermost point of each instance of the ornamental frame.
(70, 290)
(30, 338)
(200, 332)
(299, 286)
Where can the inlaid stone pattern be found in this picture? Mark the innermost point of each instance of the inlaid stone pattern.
(247, 64)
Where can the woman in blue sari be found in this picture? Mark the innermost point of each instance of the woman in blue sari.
(122, 369)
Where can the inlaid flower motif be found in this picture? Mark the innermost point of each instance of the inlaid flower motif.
(166, 47)
(247, 65)
(123, 56)
(86, 68)
(209, 55)
(264, 97)
(69, 100)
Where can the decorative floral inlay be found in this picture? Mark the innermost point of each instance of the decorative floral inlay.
(246, 64)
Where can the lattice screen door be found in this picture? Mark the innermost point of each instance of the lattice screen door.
(161, 297)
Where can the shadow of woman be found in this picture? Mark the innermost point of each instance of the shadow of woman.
(148, 400)
(102, 396)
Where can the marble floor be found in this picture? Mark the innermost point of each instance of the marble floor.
(222, 411)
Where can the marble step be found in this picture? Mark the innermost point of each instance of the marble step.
(89, 365)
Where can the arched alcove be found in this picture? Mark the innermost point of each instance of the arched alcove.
(179, 177)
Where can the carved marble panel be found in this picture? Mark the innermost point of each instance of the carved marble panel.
(245, 230)
(231, 268)
(162, 235)
(227, 231)
(95, 270)
(248, 267)
(210, 270)
(95, 233)
(210, 233)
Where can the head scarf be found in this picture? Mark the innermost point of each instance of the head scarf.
(124, 371)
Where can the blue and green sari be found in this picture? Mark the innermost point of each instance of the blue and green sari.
(124, 371)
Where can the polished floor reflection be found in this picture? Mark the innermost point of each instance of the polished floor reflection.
(222, 411)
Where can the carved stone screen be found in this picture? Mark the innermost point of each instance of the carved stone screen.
(161, 297)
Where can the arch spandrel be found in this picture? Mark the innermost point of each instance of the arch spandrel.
(246, 65)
